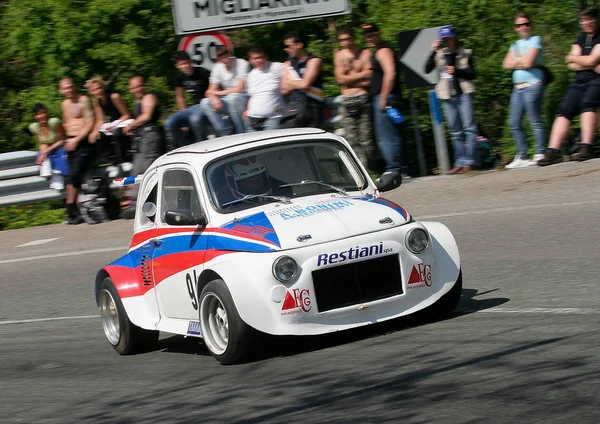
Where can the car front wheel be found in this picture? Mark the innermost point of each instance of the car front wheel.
(228, 338)
(125, 337)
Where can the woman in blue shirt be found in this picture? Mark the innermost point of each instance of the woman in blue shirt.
(523, 58)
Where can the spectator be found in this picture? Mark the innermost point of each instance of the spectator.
(263, 85)
(194, 81)
(385, 91)
(352, 69)
(110, 112)
(455, 89)
(583, 95)
(303, 82)
(148, 139)
(50, 135)
(149, 144)
(78, 122)
(226, 93)
(528, 88)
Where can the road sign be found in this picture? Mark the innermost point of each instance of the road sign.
(207, 15)
(415, 48)
(201, 47)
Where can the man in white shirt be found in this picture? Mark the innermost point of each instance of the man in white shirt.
(226, 98)
(263, 85)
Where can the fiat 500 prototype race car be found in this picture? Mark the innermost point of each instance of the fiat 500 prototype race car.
(280, 232)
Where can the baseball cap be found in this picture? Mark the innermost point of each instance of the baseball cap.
(447, 31)
(370, 28)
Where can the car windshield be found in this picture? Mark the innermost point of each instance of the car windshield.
(277, 173)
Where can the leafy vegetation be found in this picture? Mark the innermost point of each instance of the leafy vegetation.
(44, 40)
(22, 216)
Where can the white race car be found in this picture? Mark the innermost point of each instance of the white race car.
(279, 232)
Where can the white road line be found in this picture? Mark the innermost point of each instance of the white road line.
(29, 321)
(510, 209)
(554, 311)
(37, 242)
(499, 310)
(63, 254)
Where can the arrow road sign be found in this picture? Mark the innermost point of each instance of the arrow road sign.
(414, 49)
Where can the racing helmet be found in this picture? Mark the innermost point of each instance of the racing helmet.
(247, 176)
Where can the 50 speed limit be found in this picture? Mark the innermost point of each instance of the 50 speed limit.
(202, 47)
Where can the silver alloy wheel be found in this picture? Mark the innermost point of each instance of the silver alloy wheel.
(214, 323)
(110, 317)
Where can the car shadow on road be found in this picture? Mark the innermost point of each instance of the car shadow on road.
(272, 346)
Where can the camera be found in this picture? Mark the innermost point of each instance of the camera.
(443, 43)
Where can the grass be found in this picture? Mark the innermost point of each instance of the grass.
(32, 215)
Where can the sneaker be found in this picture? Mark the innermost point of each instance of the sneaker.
(551, 157)
(585, 152)
(537, 157)
(519, 163)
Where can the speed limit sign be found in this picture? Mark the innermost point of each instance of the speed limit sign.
(202, 46)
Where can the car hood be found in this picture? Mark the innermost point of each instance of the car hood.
(308, 221)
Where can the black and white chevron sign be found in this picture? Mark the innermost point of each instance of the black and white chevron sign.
(414, 48)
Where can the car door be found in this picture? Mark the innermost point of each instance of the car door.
(179, 254)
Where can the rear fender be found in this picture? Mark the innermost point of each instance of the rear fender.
(138, 297)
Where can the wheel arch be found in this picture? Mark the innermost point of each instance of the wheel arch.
(100, 276)
(206, 277)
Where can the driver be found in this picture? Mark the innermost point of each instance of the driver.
(247, 176)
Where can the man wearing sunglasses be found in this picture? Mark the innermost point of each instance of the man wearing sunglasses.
(583, 95)
(225, 99)
(353, 70)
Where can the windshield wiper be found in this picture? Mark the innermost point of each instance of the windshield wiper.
(304, 182)
(257, 196)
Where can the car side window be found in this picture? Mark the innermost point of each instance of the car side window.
(179, 193)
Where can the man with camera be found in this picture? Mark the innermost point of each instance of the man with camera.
(455, 88)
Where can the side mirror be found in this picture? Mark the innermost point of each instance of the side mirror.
(184, 217)
(389, 181)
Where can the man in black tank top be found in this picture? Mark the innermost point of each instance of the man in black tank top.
(303, 81)
(385, 93)
(147, 135)
(148, 138)
(583, 95)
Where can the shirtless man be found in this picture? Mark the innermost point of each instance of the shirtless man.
(353, 73)
(78, 121)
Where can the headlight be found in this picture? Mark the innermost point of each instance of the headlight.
(285, 269)
(417, 240)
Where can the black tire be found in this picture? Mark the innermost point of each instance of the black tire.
(241, 337)
(131, 338)
(448, 302)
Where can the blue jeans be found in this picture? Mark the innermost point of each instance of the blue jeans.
(387, 134)
(269, 124)
(191, 117)
(233, 106)
(528, 100)
(460, 117)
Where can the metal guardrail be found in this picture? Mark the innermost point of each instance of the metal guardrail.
(20, 181)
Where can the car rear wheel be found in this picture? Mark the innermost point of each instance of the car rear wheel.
(228, 339)
(125, 337)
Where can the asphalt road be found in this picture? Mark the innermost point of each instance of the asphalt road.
(523, 346)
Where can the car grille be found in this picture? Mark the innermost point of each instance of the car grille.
(357, 283)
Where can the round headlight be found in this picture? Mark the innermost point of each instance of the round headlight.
(417, 240)
(285, 269)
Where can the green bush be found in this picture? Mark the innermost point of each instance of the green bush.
(32, 215)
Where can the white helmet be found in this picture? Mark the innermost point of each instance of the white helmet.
(247, 176)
